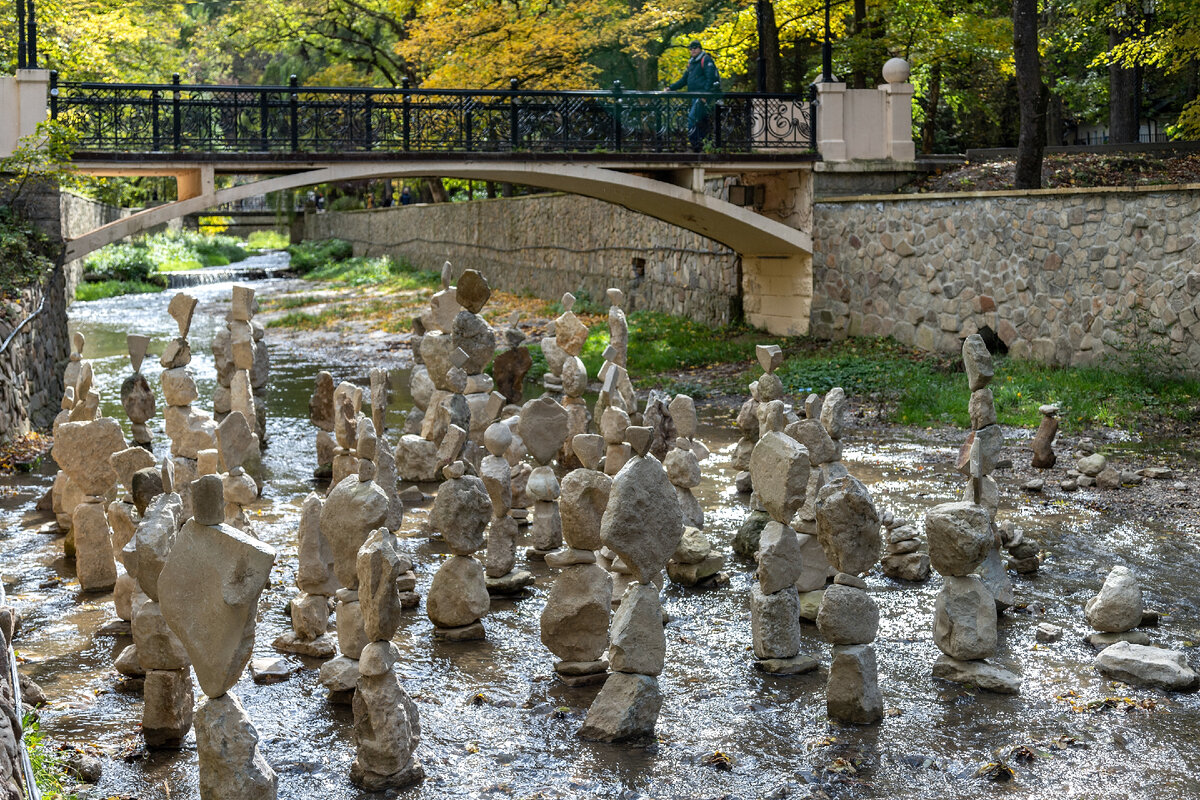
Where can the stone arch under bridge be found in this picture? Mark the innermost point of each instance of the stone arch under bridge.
(776, 257)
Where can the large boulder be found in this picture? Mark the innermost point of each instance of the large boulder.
(231, 766)
(964, 619)
(574, 622)
(848, 525)
(351, 511)
(1118, 606)
(1153, 667)
(642, 522)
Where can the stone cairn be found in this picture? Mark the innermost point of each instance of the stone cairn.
(1043, 441)
(124, 516)
(574, 623)
(779, 468)
(695, 560)
(503, 577)
(157, 654)
(570, 334)
(317, 584)
(458, 596)
(613, 424)
(321, 414)
(512, 362)
(1126, 654)
(963, 547)
(208, 592)
(243, 364)
(643, 525)
(237, 444)
(543, 427)
(555, 358)
(386, 726)
(80, 403)
(137, 398)
(83, 450)
(903, 557)
(615, 387)
(355, 508)
(189, 429)
(747, 423)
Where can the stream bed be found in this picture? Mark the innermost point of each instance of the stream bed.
(496, 724)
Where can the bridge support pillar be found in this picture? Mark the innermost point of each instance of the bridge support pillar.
(777, 293)
(195, 182)
(23, 98)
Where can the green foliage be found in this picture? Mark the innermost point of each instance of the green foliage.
(584, 304)
(49, 772)
(267, 240)
(307, 256)
(26, 254)
(123, 261)
(665, 342)
(363, 271)
(41, 156)
(102, 289)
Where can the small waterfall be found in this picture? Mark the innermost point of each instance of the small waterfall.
(255, 268)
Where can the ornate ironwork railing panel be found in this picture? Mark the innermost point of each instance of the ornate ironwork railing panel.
(176, 117)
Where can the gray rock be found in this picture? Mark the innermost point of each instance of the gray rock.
(964, 619)
(994, 575)
(310, 616)
(416, 458)
(209, 591)
(352, 510)
(745, 541)
(1118, 606)
(848, 615)
(642, 522)
(982, 409)
(339, 674)
(584, 497)
(461, 512)
(959, 535)
(167, 708)
(912, 567)
(158, 647)
(833, 412)
(981, 674)
(852, 692)
(638, 643)
(351, 635)
(779, 468)
(626, 708)
(1152, 667)
(314, 573)
(1103, 640)
(693, 547)
(379, 569)
(543, 428)
(83, 450)
(848, 524)
(1109, 478)
(1091, 465)
(458, 595)
(779, 558)
(978, 362)
(693, 573)
(812, 435)
(94, 562)
(476, 338)
(816, 567)
(775, 623)
(1046, 632)
(501, 546)
(387, 730)
(231, 766)
(574, 623)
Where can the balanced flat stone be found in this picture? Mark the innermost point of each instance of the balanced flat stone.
(1153, 667)
(983, 674)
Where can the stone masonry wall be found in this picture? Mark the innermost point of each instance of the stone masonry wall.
(79, 216)
(31, 368)
(550, 244)
(1061, 277)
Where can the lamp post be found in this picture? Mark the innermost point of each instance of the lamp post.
(827, 51)
(20, 34)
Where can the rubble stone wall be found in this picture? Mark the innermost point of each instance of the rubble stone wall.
(550, 244)
(1064, 277)
(31, 368)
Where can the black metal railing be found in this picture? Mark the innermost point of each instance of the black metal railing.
(176, 117)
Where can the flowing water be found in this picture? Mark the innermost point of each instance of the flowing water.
(496, 724)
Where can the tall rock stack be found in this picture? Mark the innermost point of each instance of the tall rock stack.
(354, 508)
(849, 620)
(555, 357)
(503, 577)
(512, 363)
(124, 516)
(317, 584)
(642, 524)
(616, 388)
(474, 337)
(903, 556)
(236, 444)
(978, 457)
(80, 403)
(458, 596)
(321, 414)
(747, 423)
(613, 424)
(347, 405)
(164, 661)
(574, 622)
(137, 398)
(83, 451)
(1043, 441)
(571, 334)
(420, 385)
(447, 413)
(961, 538)
(209, 590)
(779, 469)
(543, 428)
(386, 726)
(189, 429)
(682, 462)
(243, 364)
(380, 397)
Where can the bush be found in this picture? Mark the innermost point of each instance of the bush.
(267, 240)
(119, 262)
(308, 256)
(26, 254)
(101, 289)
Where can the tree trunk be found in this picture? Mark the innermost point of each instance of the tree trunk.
(770, 47)
(931, 105)
(646, 73)
(861, 78)
(1123, 100)
(1029, 88)
(437, 190)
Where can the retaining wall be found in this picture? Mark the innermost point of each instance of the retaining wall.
(1063, 277)
(31, 368)
(550, 244)
(79, 216)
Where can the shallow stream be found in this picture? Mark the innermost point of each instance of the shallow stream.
(496, 724)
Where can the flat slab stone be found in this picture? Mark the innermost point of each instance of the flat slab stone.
(989, 677)
(797, 665)
(1154, 667)
(1103, 640)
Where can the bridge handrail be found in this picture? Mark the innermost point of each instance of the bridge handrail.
(157, 117)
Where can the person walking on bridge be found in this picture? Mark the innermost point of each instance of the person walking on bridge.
(700, 76)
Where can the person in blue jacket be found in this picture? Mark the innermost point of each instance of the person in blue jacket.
(700, 76)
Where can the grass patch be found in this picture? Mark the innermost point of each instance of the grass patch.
(362, 271)
(48, 770)
(101, 289)
(308, 256)
(267, 240)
